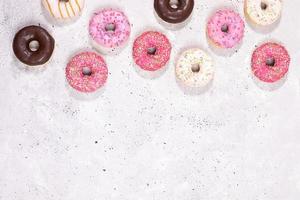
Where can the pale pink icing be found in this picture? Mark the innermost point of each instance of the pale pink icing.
(270, 73)
(84, 83)
(235, 28)
(148, 40)
(109, 39)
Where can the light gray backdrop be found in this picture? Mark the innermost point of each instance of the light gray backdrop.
(145, 139)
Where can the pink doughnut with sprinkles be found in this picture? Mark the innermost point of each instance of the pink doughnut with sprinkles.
(225, 29)
(86, 72)
(109, 30)
(270, 62)
(151, 51)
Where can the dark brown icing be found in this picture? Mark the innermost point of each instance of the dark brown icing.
(174, 15)
(22, 48)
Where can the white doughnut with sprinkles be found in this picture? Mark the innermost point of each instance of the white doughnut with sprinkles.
(63, 10)
(195, 68)
(263, 12)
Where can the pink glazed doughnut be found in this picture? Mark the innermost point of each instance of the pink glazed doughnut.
(86, 72)
(109, 30)
(151, 51)
(270, 62)
(225, 28)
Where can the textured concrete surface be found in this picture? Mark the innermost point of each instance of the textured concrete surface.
(144, 139)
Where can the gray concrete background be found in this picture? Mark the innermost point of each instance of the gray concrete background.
(145, 139)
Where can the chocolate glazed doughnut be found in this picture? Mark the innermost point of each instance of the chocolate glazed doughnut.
(33, 45)
(174, 11)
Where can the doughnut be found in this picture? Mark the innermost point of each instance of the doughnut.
(33, 45)
(270, 62)
(63, 9)
(225, 29)
(194, 68)
(86, 72)
(263, 12)
(151, 50)
(109, 30)
(173, 11)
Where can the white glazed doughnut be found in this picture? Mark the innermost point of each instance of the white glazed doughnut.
(263, 12)
(194, 68)
(64, 9)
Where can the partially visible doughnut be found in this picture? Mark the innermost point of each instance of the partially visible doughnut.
(64, 9)
(263, 12)
(173, 14)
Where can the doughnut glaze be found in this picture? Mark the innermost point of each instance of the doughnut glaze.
(194, 68)
(109, 29)
(64, 9)
(151, 50)
(86, 72)
(263, 12)
(225, 28)
(174, 11)
(270, 62)
(37, 54)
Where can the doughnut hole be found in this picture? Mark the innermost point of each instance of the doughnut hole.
(34, 45)
(111, 27)
(87, 71)
(225, 28)
(151, 51)
(174, 4)
(270, 62)
(196, 68)
(263, 5)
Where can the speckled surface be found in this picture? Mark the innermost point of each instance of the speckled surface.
(142, 139)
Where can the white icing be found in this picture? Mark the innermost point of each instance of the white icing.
(62, 10)
(187, 75)
(263, 17)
